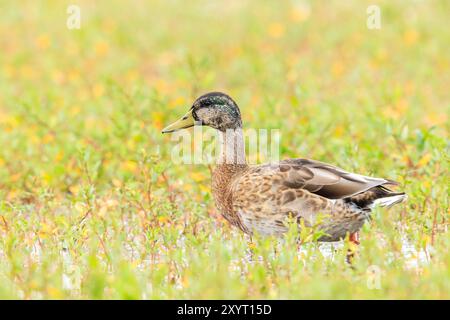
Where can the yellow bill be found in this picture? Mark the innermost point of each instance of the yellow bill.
(186, 121)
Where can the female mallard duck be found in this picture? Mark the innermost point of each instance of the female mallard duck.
(260, 198)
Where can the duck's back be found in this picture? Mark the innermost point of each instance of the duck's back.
(264, 196)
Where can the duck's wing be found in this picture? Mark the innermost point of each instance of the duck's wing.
(322, 179)
(264, 195)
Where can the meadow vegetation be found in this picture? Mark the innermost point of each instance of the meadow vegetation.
(92, 207)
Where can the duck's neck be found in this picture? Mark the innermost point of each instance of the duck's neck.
(232, 151)
(230, 164)
(231, 161)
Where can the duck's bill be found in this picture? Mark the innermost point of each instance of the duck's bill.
(186, 121)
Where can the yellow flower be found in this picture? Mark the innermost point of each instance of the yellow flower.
(131, 76)
(157, 118)
(292, 75)
(163, 219)
(276, 30)
(12, 194)
(162, 86)
(178, 101)
(59, 156)
(434, 118)
(45, 227)
(380, 56)
(406, 160)
(353, 247)
(48, 138)
(34, 284)
(74, 189)
(116, 182)
(391, 112)
(42, 41)
(197, 176)
(185, 282)
(129, 165)
(74, 110)
(339, 131)
(73, 75)
(424, 160)
(337, 69)
(15, 177)
(27, 72)
(410, 37)
(47, 178)
(8, 71)
(203, 188)
(98, 90)
(131, 144)
(401, 106)
(101, 49)
(54, 293)
(46, 230)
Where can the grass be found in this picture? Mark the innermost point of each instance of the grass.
(92, 207)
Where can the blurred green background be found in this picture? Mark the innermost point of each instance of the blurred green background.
(91, 206)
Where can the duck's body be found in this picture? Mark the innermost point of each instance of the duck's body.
(260, 199)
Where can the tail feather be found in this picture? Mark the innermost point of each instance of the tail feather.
(377, 196)
(388, 201)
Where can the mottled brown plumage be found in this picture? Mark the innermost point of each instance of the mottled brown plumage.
(260, 199)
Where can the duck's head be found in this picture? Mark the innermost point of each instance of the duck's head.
(215, 109)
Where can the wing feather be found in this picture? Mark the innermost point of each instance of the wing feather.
(323, 179)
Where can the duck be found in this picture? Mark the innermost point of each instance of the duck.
(262, 199)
